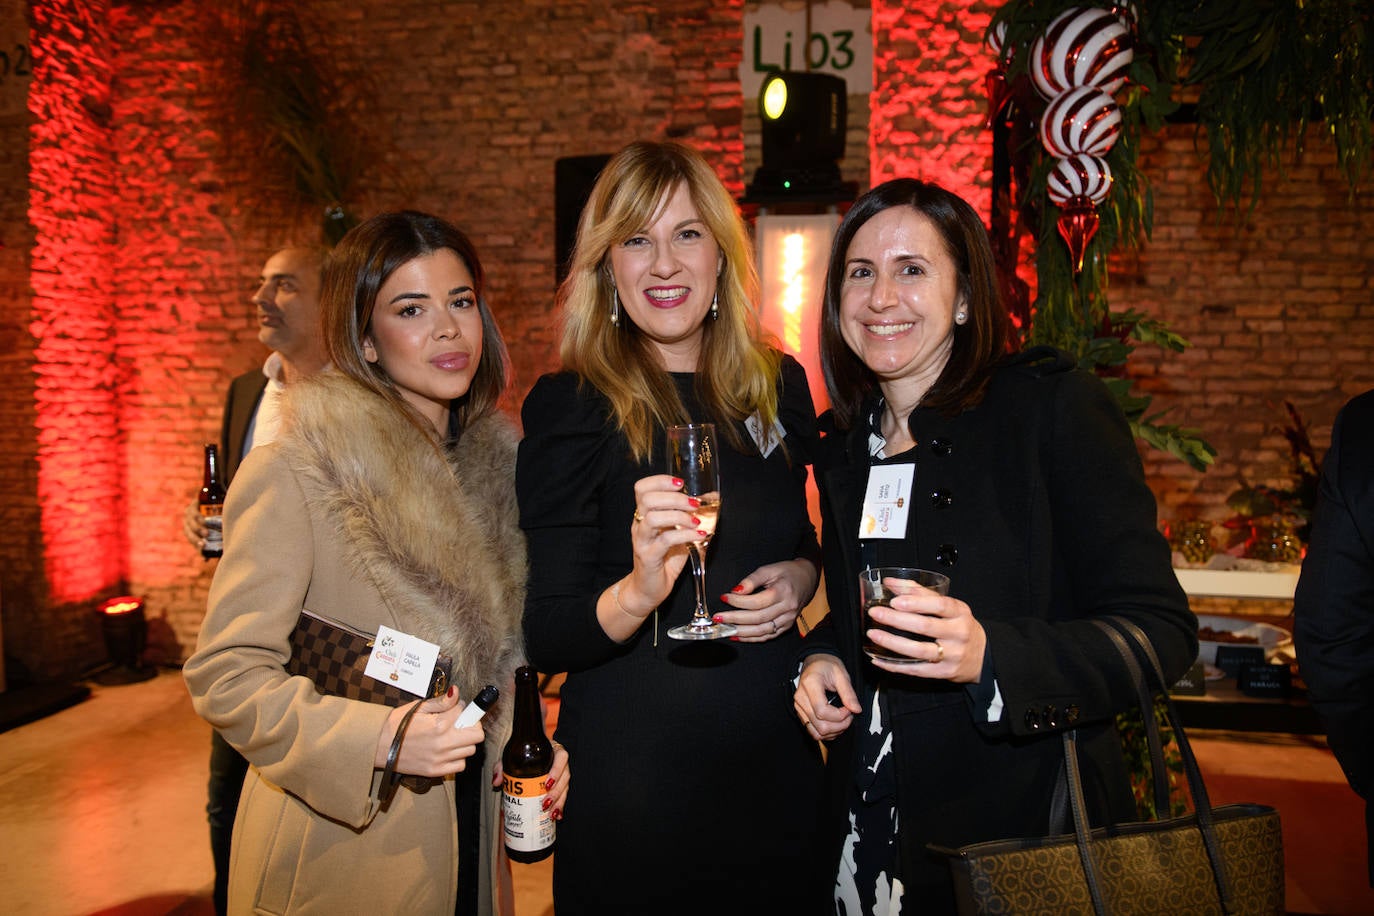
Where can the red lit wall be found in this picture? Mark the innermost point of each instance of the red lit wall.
(77, 385)
(127, 262)
(928, 104)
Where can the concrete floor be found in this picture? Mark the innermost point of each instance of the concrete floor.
(102, 811)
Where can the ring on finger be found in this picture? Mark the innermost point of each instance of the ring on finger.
(774, 622)
(638, 517)
(939, 652)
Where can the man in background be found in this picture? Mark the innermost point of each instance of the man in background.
(1334, 605)
(288, 305)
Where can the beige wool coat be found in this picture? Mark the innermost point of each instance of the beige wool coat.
(353, 515)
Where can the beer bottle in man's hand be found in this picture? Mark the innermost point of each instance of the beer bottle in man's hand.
(527, 760)
(212, 505)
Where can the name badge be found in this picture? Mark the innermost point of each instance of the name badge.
(887, 501)
(401, 659)
(766, 439)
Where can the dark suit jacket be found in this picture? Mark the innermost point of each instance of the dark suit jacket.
(245, 392)
(1035, 504)
(1334, 604)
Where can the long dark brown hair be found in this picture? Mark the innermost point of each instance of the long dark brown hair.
(978, 343)
(355, 272)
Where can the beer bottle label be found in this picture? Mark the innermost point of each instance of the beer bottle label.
(214, 522)
(528, 827)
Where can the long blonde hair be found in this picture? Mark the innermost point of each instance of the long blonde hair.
(737, 372)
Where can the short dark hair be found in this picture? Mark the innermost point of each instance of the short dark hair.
(354, 274)
(978, 344)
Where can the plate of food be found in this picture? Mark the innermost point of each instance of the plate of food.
(1214, 631)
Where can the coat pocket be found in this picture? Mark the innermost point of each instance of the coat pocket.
(284, 847)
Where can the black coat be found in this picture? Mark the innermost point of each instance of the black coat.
(240, 407)
(1035, 504)
(1334, 605)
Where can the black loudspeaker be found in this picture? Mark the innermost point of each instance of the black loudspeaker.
(573, 178)
(802, 122)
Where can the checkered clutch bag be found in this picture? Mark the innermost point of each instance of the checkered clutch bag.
(334, 656)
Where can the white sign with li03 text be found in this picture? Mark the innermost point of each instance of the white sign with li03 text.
(840, 41)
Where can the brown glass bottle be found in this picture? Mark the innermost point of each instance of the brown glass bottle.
(526, 761)
(212, 505)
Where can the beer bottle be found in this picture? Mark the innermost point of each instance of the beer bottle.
(212, 505)
(527, 760)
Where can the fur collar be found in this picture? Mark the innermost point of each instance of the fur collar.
(437, 535)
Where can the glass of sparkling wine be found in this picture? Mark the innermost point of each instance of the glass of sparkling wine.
(692, 459)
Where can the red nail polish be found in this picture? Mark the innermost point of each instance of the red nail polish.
(548, 783)
(451, 688)
(677, 481)
(695, 520)
(717, 619)
(547, 803)
(734, 639)
(558, 814)
(693, 502)
(737, 588)
(705, 534)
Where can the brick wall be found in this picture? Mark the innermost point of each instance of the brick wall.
(21, 547)
(1278, 303)
(929, 103)
(475, 106)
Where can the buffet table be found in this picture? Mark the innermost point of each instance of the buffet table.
(1224, 705)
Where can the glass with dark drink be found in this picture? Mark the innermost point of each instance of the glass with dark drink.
(878, 585)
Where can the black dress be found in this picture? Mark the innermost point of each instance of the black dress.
(695, 789)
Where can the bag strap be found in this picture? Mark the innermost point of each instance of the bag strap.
(1082, 832)
(389, 778)
(1120, 630)
(1060, 814)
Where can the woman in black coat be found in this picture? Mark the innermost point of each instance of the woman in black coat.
(1023, 486)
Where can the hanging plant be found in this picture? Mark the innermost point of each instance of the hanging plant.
(1259, 72)
(289, 109)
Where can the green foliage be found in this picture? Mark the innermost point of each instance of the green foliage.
(1136, 750)
(1295, 501)
(1262, 71)
(1265, 71)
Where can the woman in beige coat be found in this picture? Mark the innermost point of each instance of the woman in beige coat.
(388, 499)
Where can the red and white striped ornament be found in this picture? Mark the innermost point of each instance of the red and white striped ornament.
(996, 41)
(1079, 177)
(1083, 120)
(1081, 47)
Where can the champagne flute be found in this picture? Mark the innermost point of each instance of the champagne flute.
(692, 459)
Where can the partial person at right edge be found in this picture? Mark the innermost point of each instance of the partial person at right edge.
(1333, 608)
(1027, 491)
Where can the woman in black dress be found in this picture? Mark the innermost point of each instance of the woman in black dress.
(697, 787)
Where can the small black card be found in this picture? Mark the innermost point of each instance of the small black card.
(1193, 683)
(1231, 658)
(1265, 681)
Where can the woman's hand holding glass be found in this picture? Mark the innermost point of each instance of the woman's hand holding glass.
(954, 639)
(661, 531)
(766, 602)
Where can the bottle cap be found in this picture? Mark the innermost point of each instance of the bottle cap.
(486, 697)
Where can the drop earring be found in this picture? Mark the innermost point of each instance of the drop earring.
(715, 306)
(615, 307)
